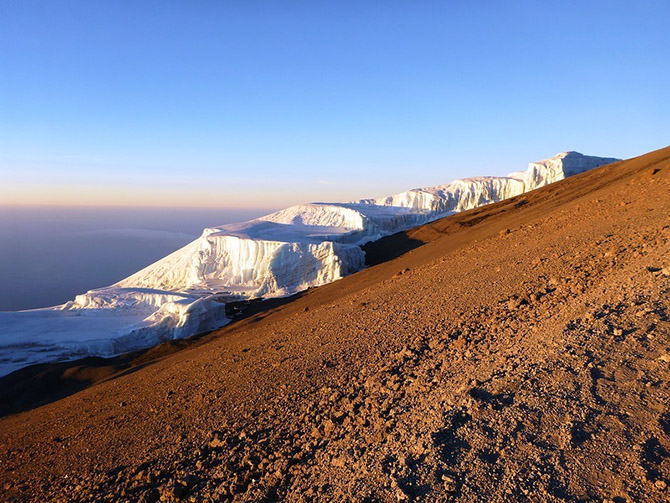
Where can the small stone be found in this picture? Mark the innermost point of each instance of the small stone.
(449, 484)
(401, 495)
(618, 332)
(328, 427)
(660, 484)
(174, 490)
(516, 302)
(216, 440)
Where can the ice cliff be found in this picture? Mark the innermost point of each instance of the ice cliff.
(279, 254)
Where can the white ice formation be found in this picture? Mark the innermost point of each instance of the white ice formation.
(279, 254)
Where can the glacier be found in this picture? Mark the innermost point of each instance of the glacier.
(303, 246)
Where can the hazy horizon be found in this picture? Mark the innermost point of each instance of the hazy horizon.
(48, 254)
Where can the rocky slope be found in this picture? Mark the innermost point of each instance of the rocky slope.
(520, 352)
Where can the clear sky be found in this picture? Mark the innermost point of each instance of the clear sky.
(265, 104)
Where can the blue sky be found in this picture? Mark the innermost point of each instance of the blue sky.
(266, 104)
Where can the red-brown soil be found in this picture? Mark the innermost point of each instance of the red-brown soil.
(517, 352)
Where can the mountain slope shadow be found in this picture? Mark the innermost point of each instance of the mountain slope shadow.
(389, 247)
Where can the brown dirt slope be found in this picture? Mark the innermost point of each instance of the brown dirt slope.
(521, 353)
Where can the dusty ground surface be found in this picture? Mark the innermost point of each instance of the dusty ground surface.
(522, 353)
